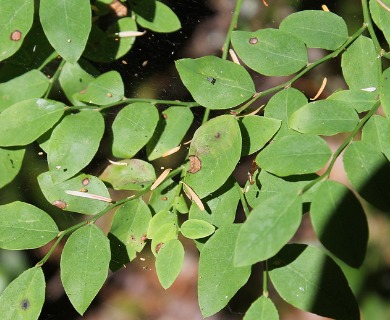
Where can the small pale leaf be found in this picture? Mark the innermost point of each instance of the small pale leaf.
(262, 309)
(196, 229)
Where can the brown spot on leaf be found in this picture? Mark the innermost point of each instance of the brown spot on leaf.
(164, 115)
(16, 35)
(83, 190)
(253, 40)
(164, 198)
(85, 182)
(59, 204)
(158, 247)
(109, 95)
(217, 135)
(144, 237)
(195, 164)
(25, 304)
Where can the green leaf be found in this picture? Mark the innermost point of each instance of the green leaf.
(25, 121)
(163, 196)
(216, 148)
(298, 154)
(109, 45)
(268, 228)
(84, 265)
(84, 74)
(24, 297)
(132, 128)
(196, 229)
(340, 222)
(369, 173)
(169, 132)
(316, 28)
(156, 16)
(169, 261)
(309, 280)
(160, 219)
(129, 227)
(221, 206)
(262, 309)
(281, 106)
(23, 226)
(10, 163)
(256, 131)
(16, 21)
(57, 196)
(73, 144)
(381, 17)
(129, 174)
(215, 83)
(105, 89)
(360, 100)
(219, 279)
(271, 52)
(360, 64)
(324, 117)
(69, 34)
(32, 84)
(385, 92)
(377, 132)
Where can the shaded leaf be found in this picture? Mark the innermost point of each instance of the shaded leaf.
(309, 280)
(271, 52)
(84, 265)
(262, 309)
(10, 164)
(215, 83)
(163, 196)
(69, 34)
(219, 279)
(169, 262)
(268, 228)
(24, 226)
(25, 121)
(298, 154)
(195, 229)
(385, 92)
(381, 17)
(24, 297)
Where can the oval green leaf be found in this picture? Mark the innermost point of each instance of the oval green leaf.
(23, 226)
(73, 144)
(84, 265)
(291, 155)
(324, 117)
(271, 52)
(215, 83)
(309, 280)
(105, 89)
(32, 84)
(25, 121)
(160, 219)
(169, 261)
(381, 16)
(268, 228)
(170, 131)
(256, 131)
(340, 222)
(196, 229)
(57, 194)
(215, 150)
(219, 279)
(10, 164)
(360, 100)
(163, 197)
(69, 34)
(385, 92)
(129, 174)
(132, 128)
(16, 21)
(368, 170)
(262, 309)
(24, 297)
(316, 28)
(360, 64)
(377, 132)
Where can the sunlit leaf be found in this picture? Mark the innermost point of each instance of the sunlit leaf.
(195, 229)
(381, 16)
(359, 99)
(262, 309)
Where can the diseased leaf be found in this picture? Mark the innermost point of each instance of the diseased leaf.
(340, 222)
(132, 128)
(24, 226)
(24, 297)
(73, 144)
(69, 34)
(316, 28)
(291, 155)
(84, 265)
(169, 261)
(214, 153)
(268, 228)
(271, 52)
(262, 309)
(215, 83)
(196, 229)
(25, 121)
(309, 280)
(219, 279)
(10, 163)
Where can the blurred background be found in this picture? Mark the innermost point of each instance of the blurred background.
(134, 293)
